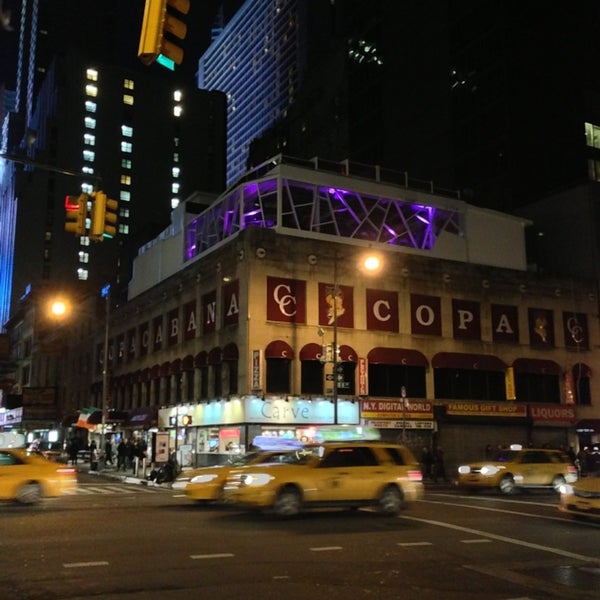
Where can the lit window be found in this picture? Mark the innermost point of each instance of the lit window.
(177, 95)
(89, 155)
(128, 84)
(175, 171)
(82, 274)
(126, 131)
(92, 74)
(84, 257)
(176, 157)
(175, 188)
(89, 139)
(592, 135)
(125, 163)
(91, 90)
(124, 213)
(126, 147)
(87, 188)
(88, 170)
(124, 228)
(128, 99)
(174, 202)
(177, 110)
(126, 179)
(90, 106)
(124, 196)
(90, 123)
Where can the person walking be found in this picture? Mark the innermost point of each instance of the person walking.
(439, 469)
(121, 455)
(108, 451)
(426, 461)
(93, 456)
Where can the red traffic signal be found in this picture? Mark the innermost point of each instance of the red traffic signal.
(76, 208)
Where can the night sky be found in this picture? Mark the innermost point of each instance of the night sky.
(69, 15)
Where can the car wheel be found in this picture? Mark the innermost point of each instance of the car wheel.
(557, 482)
(507, 485)
(288, 502)
(391, 501)
(30, 493)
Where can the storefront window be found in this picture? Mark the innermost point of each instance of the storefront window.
(278, 375)
(311, 378)
(388, 380)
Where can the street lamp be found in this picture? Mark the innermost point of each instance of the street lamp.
(369, 264)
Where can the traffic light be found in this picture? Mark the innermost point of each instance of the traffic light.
(76, 208)
(104, 217)
(158, 21)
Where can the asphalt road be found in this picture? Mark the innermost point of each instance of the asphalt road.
(120, 541)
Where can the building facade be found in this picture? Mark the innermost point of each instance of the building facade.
(453, 342)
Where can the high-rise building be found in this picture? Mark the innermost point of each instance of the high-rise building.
(88, 125)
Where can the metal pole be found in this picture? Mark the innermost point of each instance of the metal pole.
(403, 394)
(106, 294)
(335, 332)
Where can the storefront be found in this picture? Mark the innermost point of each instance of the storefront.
(210, 433)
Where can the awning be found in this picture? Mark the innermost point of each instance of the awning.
(279, 349)
(581, 370)
(155, 372)
(311, 351)
(175, 367)
(112, 416)
(347, 354)
(187, 364)
(215, 356)
(230, 352)
(200, 359)
(142, 418)
(165, 369)
(144, 375)
(473, 362)
(397, 356)
(536, 366)
(588, 425)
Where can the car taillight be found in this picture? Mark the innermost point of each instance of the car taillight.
(571, 469)
(415, 476)
(66, 471)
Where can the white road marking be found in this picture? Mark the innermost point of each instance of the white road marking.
(508, 540)
(203, 556)
(415, 544)
(79, 565)
(478, 541)
(325, 548)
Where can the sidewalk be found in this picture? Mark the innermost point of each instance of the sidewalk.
(109, 472)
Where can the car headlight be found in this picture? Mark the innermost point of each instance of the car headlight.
(489, 470)
(255, 479)
(464, 469)
(204, 478)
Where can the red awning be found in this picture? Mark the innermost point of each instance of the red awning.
(165, 369)
(536, 366)
(279, 349)
(581, 370)
(187, 364)
(474, 362)
(215, 356)
(397, 356)
(311, 351)
(201, 358)
(347, 354)
(230, 352)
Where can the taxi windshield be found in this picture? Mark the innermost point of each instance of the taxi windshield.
(507, 455)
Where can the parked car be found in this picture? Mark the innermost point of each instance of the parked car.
(581, 499)
(519, 468)
(331, 474)
(27, 477)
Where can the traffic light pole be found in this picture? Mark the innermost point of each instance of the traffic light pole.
(32, 163)
(106, 294)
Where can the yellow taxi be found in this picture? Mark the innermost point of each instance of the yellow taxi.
(205, 484)
(338, 474)
(518, 468)
(581, 499)
(28, 477)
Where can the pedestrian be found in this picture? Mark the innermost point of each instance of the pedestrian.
(73, 450)
(439, 469)
(129, 454)
(93, 456)
(108, 452)
(121, 455)
(426, 462)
